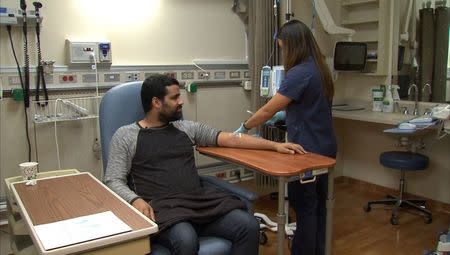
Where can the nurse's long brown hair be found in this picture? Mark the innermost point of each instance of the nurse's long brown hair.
(298, 44)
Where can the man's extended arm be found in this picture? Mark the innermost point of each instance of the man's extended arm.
(203, 135)
(237, 140)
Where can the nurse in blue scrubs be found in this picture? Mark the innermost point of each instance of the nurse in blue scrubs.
(306, 94)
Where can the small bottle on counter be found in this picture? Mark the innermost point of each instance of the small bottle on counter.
(388, 101)
(395, 94)
(377, 99)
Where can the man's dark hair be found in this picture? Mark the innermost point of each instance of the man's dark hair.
(155, 86)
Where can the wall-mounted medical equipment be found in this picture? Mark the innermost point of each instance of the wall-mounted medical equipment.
(26, 61)
(271, 79)
(85, 53)
(350, 56)
(40, 68)
(66, 110)
(14, 17)
(83, 112)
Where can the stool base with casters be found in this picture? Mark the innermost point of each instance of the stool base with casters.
(404, 161)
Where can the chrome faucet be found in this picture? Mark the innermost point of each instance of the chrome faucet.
(405, 110)
(416, 97)
(426, 92)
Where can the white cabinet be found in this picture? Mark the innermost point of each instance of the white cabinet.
(376, 23)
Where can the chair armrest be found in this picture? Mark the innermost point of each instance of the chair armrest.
(244, 194)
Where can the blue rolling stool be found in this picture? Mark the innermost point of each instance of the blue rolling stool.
(404, 161)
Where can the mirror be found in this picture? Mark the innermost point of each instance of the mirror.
(431, 74)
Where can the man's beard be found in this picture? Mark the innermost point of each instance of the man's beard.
(167, 117)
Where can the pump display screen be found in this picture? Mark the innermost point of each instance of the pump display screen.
(350, 56)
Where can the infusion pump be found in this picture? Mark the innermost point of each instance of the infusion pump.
(271, 79)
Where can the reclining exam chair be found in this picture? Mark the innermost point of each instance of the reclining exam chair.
(120, 106)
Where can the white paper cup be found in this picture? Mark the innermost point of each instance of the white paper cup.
(28, 170)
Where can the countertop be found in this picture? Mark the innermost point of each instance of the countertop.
(374, 117)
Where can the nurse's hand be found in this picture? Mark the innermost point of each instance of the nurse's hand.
(242, 129)
(144, 208)
(290, 148)
(277, 117)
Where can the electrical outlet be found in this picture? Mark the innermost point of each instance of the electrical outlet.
(111, 77)
(247, 85)
(221, 175)
(246, 174)
(88, 78)
(234, 173)
(67, 78)
(247, 74)
(235, 74)
(203, 75)
(187, 75)
(48, 79)
(13, 80)
(132, 76)
(148, 74)
(219, 75)
(171, 74)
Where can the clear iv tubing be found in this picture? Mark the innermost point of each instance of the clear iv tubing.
(94, 66)
(198, 66)
(56, 135)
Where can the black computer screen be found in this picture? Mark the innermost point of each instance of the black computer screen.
(350, 56)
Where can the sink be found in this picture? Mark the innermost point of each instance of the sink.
(396, 118)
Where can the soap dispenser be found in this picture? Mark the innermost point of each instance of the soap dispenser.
(388, 101)
(395, 95)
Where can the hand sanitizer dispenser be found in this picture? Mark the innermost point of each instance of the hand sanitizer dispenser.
(388, 101)
(395, 94)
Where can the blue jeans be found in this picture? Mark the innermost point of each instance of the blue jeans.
(238, 226)
(309, 203)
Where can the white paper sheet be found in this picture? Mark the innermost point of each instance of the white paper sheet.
(81, 229)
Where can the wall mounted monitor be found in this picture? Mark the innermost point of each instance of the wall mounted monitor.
(350, 56)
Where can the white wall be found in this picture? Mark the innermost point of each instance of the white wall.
(141, 32)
